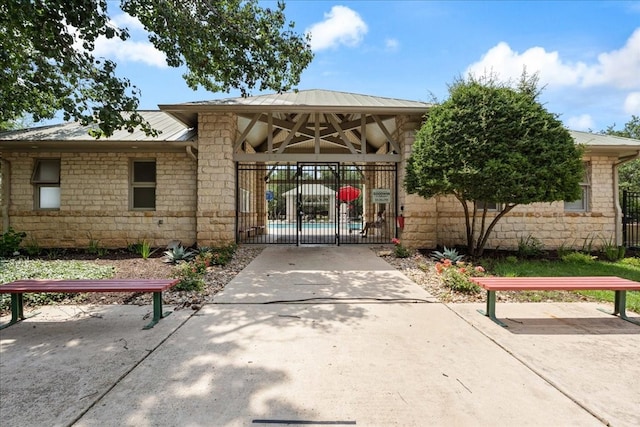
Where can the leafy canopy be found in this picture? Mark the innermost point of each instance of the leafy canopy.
(46, 54)
(493, 143)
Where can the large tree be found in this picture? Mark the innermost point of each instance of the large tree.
(629, 173)
(491, 143)
(47, 61)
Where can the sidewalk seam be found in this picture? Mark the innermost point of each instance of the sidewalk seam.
(125, 374)
(535, 371)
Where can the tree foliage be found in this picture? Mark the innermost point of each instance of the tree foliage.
(628, 173)
(46, 55)
(493, 143)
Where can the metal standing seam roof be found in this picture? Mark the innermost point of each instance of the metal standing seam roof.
(588, 139)
(323, 99)
(171, 130)
(314, 100)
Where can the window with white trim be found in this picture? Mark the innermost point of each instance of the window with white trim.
(582, 204)
(46, 183)
(142, 192)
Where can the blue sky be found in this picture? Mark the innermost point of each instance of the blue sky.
(587, 53)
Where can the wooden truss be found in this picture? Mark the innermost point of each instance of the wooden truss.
(315, 137)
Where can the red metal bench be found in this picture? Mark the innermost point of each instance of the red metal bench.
(620, 286)
(20, 287)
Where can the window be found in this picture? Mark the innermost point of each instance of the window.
(582, 204)
(245, 201)
(46, 182)
(491, 206)
(142, 193)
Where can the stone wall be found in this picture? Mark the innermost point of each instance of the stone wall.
(94, 201)
(216, 212)
(440, 220)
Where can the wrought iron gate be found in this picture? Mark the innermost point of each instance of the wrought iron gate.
(631, 219)
(316, 203)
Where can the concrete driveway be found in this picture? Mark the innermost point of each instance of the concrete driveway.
(323, 336)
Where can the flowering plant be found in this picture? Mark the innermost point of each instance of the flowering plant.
(456, 275)
(400, 251)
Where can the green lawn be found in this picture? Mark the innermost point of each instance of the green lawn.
(628, 268)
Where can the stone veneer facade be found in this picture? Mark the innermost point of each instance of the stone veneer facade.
(94, 200)
(440, 220)
(196, 201)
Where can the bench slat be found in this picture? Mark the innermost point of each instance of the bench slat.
(556, 283)
(83, 285)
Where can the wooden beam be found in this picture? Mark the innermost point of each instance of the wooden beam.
(393, 143)
(243, 135)
(301, 157)
(334, 122)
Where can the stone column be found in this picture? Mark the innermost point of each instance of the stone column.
(421, 215)
(216, 209)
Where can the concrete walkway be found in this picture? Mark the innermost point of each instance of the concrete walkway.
(321, 336)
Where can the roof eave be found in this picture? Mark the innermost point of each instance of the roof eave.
(188, 113)
(95, 146)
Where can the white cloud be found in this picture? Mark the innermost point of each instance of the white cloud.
(130, 51)
(632, 103)
(619, 68)
(509, 64)
(341, 26)
(581, 122)
(391, 45)
(128, 21)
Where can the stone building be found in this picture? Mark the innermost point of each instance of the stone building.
(218, 173)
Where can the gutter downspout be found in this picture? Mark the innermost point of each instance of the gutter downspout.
(5, 180)
(616, 195)
(190, 152)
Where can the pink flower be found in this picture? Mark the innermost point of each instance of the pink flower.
(439, 267)
(479, 269)
(395, 241)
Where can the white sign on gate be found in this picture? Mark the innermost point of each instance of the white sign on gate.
(381, 195)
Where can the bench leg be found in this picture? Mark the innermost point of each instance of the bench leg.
(491, 308)
(620, 307)
(17, 310)
(157, 310)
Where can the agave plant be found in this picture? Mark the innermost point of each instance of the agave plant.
(450, 254)
(177, 254)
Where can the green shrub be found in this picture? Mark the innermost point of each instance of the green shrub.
(141, 248)
(613, 253)
(10, 242)
(457, 276)
(401, 251)
(564, 249)
(587, 245)
(219, 255)
(530, 247)
(32, 248)
(191, 278)
(632, 261)
(511, 259)
(579, 258)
